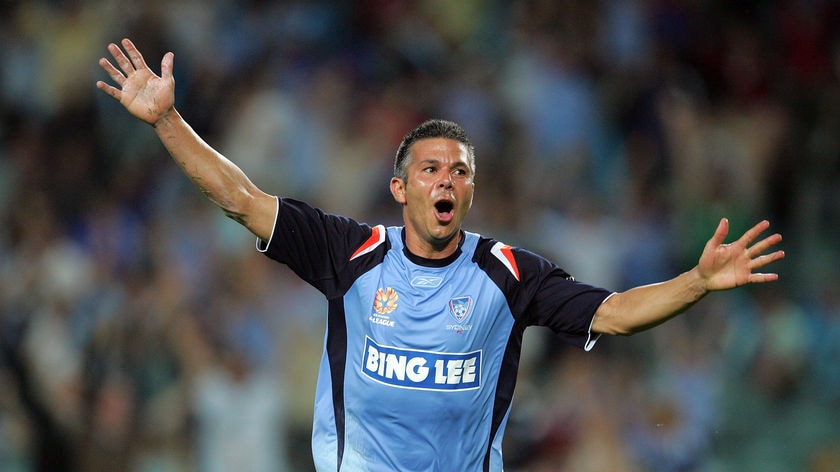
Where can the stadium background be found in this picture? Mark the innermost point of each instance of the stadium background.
(611, 135)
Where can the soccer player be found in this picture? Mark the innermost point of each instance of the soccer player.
(425, 320)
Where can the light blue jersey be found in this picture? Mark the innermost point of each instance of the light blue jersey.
(420, 355)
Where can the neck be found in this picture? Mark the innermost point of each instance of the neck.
(438, 249)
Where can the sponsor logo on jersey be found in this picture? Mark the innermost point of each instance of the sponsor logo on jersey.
(422, 370)
(427, 281)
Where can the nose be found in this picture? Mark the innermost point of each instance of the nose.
(445, 180)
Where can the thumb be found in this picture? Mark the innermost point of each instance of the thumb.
(720, 233)
(166, 65)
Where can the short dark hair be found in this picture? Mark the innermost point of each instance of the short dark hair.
(431, 129)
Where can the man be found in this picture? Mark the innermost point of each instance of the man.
(425, 320)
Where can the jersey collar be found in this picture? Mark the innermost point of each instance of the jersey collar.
(422, 261)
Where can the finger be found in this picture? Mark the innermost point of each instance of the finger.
(110, 90)
(765, 259)
(761, 278)
(135, 56)
(747, 238)
(120, 58)
(112, 71)
(764, 244)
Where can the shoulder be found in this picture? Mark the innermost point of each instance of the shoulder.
(302, 229)
(512, 261)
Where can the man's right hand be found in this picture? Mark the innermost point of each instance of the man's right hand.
(145, 95)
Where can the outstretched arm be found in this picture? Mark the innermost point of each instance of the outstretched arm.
(151, 98)
(721, 267)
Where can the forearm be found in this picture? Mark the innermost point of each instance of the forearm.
(217, 177)
(647, 306)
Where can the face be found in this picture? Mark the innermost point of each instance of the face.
(436, 196)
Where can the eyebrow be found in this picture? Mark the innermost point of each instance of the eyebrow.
(438, 161)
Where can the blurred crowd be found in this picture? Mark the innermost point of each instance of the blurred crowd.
(141, 331)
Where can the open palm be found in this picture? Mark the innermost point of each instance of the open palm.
(727, 266)
(143, 93)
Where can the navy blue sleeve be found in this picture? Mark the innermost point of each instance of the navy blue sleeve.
(565, 305)
(316, 245)
(542, 294)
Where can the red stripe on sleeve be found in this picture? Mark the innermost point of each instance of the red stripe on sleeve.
(376, 238)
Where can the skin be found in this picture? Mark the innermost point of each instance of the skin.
(439, 170)
(151, 98)
(720, 267)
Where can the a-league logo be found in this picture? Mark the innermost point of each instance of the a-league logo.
(385, 301)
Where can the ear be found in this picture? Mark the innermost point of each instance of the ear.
(398, 190)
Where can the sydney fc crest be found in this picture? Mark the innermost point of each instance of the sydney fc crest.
(460, 308)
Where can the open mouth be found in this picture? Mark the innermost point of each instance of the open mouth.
(444, 206)
(445, 210)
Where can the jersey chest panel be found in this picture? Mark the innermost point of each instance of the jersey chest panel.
(402, 309)
(423, 342)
